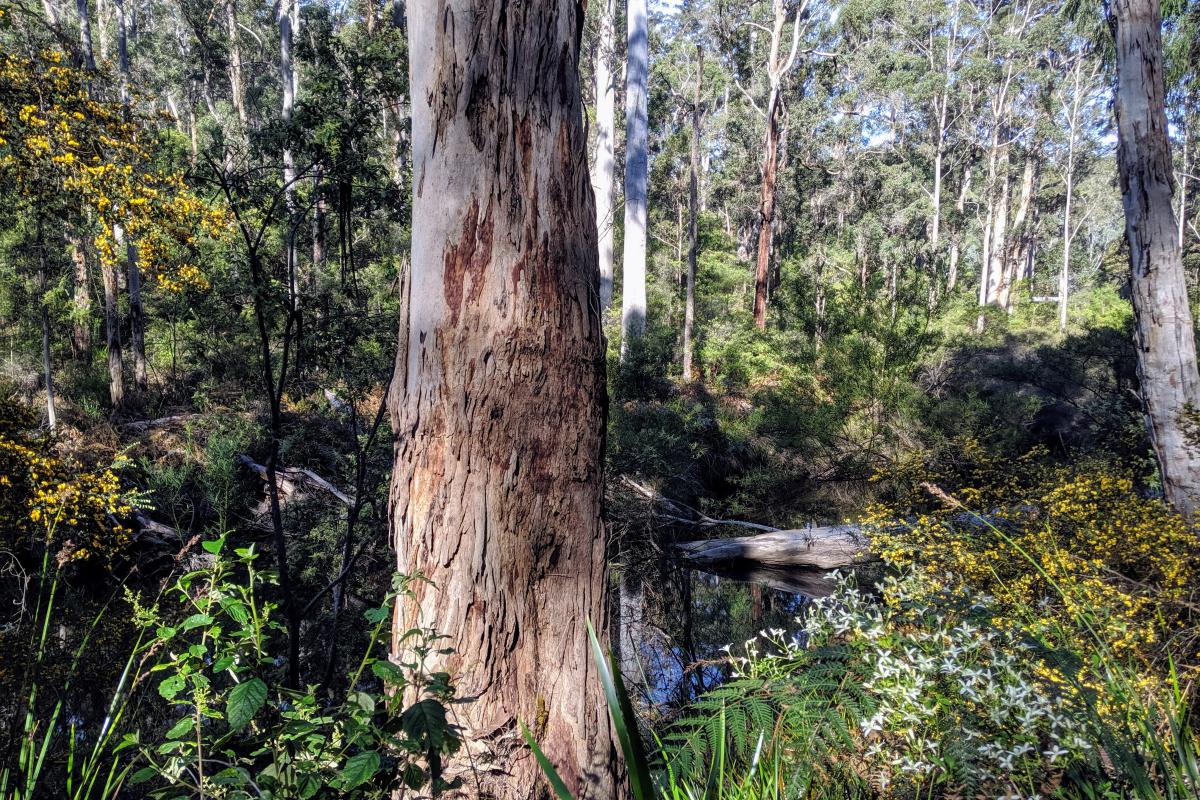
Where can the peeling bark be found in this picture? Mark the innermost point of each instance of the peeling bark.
(498, 394)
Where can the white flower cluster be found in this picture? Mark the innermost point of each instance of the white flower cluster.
(942, 682)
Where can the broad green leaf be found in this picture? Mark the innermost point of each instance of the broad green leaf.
(142, 775)
(171, 686)
(388, 672)
(179, 729)
(359, 769)
(244, 702)
(425, 722)
(195, 621)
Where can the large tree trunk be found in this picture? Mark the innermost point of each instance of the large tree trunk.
(1019, 248)
(633, 264)
(1166, 343)
(605, 169)
(498, 395)
(689, 311)
(777, 68)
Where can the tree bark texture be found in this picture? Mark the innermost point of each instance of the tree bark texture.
(85, 35)
(498, 399)
(1165, 336)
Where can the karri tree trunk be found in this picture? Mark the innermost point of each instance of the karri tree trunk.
(1073, 115)
(605, 169)
(633, 263)
(689, 311)
(499, 391)
(1165, 336)
(85, 35)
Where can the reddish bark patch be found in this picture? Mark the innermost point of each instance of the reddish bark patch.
(468, 258)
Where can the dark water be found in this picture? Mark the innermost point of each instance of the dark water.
(677, 620)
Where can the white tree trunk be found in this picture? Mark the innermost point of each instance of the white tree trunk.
(289, 12)
(633, 263)
(605, 169)
(1166, 343)
(44, 309)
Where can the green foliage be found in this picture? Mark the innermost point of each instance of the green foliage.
(238, 727)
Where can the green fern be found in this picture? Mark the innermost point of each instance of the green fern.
(807, 713)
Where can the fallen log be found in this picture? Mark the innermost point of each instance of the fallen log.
(290, 478)
(156, 529)
(824, 548)
(143, 425)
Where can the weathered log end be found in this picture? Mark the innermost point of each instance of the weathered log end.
(823, 548)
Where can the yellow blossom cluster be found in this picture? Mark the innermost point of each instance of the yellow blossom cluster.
(1074, 555)
(47, 498)
(69, 154)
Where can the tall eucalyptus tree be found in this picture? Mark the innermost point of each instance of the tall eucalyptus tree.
(499, 391)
